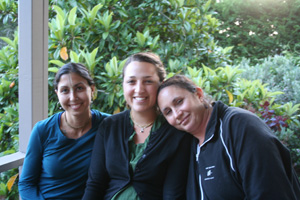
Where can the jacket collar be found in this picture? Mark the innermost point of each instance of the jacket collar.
(214, 121)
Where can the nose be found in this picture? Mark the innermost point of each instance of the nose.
(177, 114)
(73, 95)
(139, 87)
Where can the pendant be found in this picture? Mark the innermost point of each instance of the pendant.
(142, 130)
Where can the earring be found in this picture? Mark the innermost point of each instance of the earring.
(59, 106)
(205, 106)
(157, 109)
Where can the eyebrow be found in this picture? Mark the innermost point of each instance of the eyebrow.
(175, 99)
(142, 77)
(80, 83)
(173, 102)
(67, 86)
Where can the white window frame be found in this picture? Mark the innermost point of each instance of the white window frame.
(33, 74)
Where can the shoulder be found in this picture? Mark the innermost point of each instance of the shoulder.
(116, 121)
(119, 117)
(243, 118)
(48, 122)
(241, 124)
(99, 115)
(237, 117)
(43, 128)
(116, 125)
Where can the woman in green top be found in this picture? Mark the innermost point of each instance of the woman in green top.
(137, 154)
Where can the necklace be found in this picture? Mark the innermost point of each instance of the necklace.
(140, 126)
(76, 127)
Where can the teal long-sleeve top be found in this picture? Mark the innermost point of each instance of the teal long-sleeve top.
(56, 167)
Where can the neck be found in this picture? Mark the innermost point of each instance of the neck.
(143, 118)
(200, 132)
(80, 125)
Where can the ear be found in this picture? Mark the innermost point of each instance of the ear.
(93, 89)
(199, 92)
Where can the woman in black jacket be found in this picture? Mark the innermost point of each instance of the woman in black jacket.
(137, 154)
(234, 155)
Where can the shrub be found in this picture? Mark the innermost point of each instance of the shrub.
(8, 184)
(9, 115)
(102, 34)
(257, 29)
(280, 73)
(8, 18)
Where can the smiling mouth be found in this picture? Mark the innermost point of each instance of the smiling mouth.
(75, 106)
(184, 120)
(140, 98)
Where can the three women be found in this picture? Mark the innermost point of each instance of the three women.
(138, 155)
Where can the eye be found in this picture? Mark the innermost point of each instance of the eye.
(80, 88)
(148, 81)
(167, 112)
(64, 90)
(131, 81)
(179, 101)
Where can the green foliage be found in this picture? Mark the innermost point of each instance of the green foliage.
(103, 34)
(8, 18)
(225, 84)
(8, 11)
(112, 83)
(8, 185)
(258, 29)
(9, 115)
(127, 27)
(280, 73)
(290, 137)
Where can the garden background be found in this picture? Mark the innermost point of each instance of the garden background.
(244, 53)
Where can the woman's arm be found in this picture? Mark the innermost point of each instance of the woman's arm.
(264, 163)
(98, 178)
(176, 178)
(29, 179)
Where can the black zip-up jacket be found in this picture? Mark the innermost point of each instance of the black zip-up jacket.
(240, 159)
(161, 173)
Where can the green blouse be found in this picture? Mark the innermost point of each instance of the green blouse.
(135, 153)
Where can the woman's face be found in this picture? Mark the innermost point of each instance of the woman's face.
(74, 93)
(181, 108)
(140, 84)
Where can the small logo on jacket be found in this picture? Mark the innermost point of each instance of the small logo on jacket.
(209, 173)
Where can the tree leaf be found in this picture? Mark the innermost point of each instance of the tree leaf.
(140, 39)
(72, 16)
(59, 11)
(230, 96)
(94, 11)
(64, 54)
(104, 35)
(8, 41)
(11, 181)
(57, 62)
(53, 69)
(74, 57)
